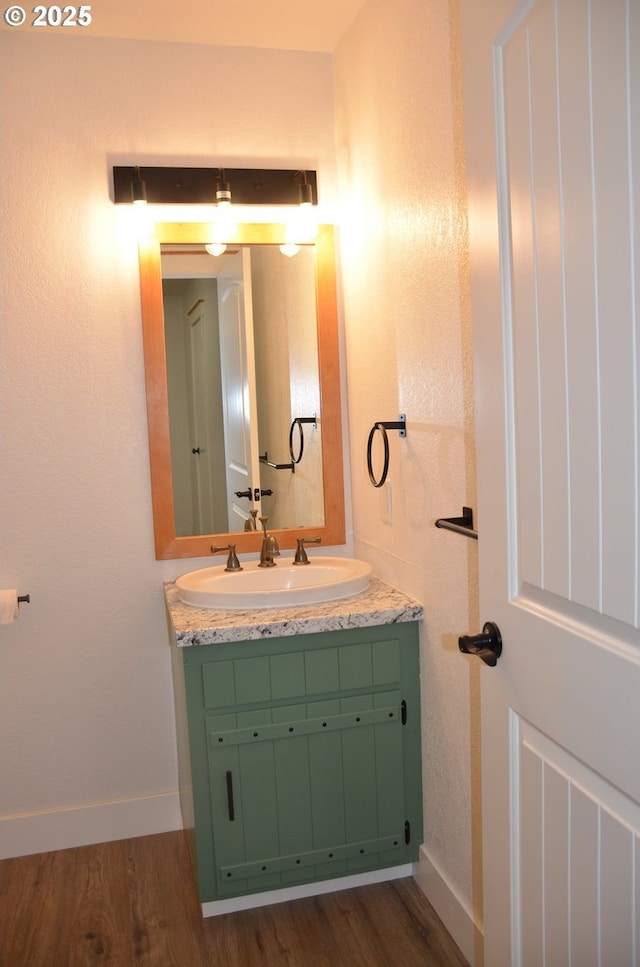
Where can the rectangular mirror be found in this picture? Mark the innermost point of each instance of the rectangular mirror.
(243, 394)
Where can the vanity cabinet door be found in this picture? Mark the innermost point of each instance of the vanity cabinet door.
(300, 757)
(306, 792)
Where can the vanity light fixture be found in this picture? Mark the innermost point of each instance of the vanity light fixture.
(167, 185)
(294, 190)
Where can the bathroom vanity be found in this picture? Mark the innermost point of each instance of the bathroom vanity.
(298, 743)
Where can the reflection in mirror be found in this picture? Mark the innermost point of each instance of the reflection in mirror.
(242, 365)
(238, 348)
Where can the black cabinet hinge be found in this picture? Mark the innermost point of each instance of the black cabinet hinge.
(403, 711)
(407, 832)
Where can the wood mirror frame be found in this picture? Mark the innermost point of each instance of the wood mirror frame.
(168, 545)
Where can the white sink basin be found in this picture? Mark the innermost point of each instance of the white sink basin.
(323, 579)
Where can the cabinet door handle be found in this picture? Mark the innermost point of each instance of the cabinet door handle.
(230, 808)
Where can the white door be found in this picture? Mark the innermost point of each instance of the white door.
(237, 360)
(200, 325)
(552, 122)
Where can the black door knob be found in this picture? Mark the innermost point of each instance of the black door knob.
(195, 450)
(487, 646)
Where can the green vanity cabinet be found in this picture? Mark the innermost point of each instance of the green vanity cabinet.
(300, 757)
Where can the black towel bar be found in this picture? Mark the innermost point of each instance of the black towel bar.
(461, 525)
(264, 458)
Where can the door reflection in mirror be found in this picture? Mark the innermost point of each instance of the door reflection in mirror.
(242, 363)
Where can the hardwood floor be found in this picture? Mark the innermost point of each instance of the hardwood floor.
(133, 902)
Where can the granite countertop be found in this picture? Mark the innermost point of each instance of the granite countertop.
(380, 604)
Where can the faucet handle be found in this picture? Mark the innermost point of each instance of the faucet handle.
(233, 564)
(301, 554)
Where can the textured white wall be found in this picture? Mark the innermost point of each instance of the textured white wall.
(408, 351)
(85, 692)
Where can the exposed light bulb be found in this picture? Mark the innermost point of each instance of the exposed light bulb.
(143, 221)
(301, 228)
(290, 249)
(306, 225)
(223, 226)
(216, 248)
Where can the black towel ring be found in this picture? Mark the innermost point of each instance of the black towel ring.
(299, 420)
(401, 425)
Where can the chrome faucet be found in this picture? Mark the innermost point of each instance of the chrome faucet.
(301, 554)
(233, 564)
(270, 547)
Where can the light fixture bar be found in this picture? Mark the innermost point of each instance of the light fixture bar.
(197, 186)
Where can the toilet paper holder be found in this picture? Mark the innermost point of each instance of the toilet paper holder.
(24, 599)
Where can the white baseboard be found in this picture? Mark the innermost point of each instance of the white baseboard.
(102, 822)
(449, 906)
(214, 908)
